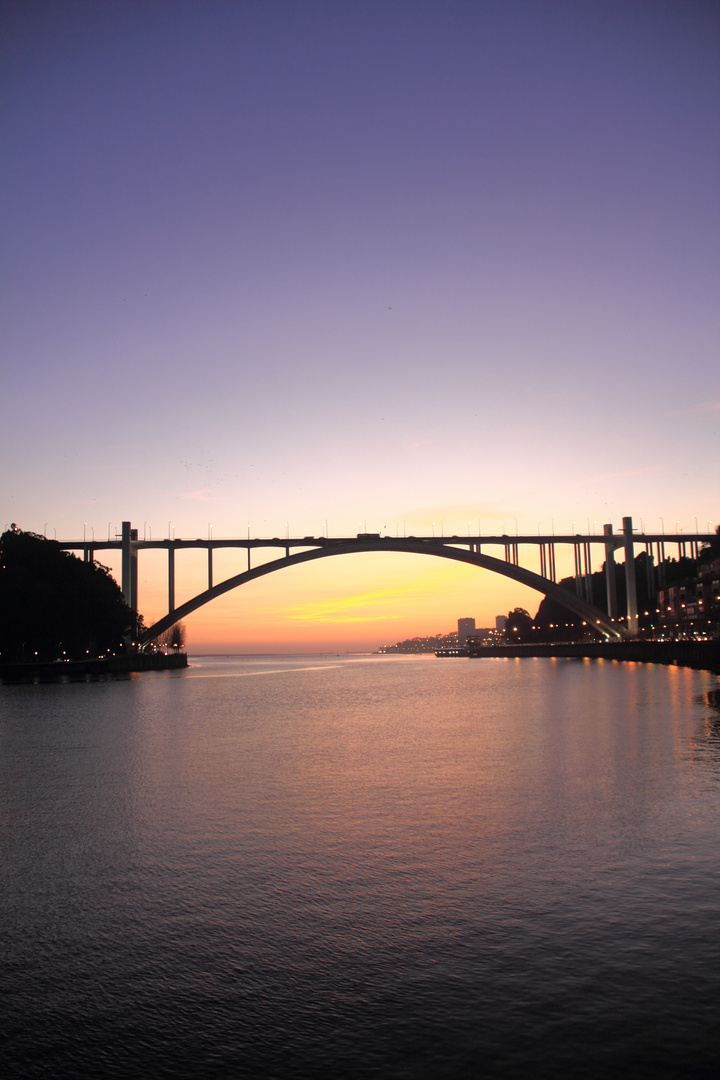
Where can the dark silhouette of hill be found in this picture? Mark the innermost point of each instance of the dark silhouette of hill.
(54, 606)
(553, 622)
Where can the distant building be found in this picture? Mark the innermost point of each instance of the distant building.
(500, 622)
(465, 628)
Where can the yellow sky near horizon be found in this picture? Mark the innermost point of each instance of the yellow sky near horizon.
(355, 602)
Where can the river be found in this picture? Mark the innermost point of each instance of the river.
(362, 867)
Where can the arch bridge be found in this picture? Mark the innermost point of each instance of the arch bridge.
(460, 549)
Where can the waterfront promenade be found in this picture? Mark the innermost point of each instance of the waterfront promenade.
(69, 670)
(703, 655)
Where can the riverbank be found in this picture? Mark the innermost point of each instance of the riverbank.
(702, 655)
(72, 670)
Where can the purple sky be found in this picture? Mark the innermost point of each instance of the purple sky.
(359, 262)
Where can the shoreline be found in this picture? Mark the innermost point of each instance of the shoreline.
(73, 670)
(702, 655)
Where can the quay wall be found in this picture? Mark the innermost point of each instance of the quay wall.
(704, 655)
(91, 669)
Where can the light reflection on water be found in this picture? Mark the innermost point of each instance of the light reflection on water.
(363, 866)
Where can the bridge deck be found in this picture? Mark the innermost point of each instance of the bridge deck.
(617, 540)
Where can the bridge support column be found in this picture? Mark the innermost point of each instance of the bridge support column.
(133, 570)
(588, 572)
(650, 572)
(129, 567)
(630, 585)
(171, 579)
(610, 583)
(661, 569)
(547, 561)
(209, 568)
(126, 563)
(578, 570)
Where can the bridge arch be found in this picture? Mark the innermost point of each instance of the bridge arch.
(592, 615)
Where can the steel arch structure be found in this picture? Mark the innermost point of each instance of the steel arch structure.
(591, 614)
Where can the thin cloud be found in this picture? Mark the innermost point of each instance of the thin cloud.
(711, 406)
(370, 606)
(463, 512)
(707, 406)
(202, 495)
(623, 473)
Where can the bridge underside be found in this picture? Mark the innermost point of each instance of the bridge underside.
(591, 614)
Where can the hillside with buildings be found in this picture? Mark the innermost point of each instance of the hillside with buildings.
(678, 599)
(456, 639)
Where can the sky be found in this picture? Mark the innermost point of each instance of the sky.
(357, 266)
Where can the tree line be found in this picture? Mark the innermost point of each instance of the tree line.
(54, 606)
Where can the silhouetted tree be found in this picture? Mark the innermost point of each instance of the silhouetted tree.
(174, 638)
(518, 626)
(711, 550)
(53, 605)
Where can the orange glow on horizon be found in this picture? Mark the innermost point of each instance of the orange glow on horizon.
(355, 602)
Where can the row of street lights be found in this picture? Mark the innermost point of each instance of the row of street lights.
(147, 528)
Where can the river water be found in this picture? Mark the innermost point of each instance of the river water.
(362, 867)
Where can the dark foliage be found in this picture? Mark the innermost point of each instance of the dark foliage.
(710, 551)
(174, 638)
(518, 626)
(554, 622)
(53, 605)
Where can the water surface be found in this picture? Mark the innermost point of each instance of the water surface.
(368, 867)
